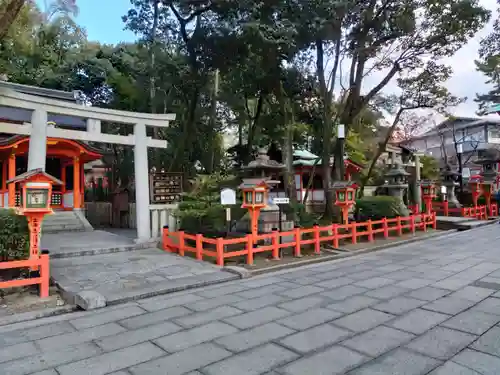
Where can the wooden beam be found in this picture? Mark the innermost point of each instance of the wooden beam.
(77, 135)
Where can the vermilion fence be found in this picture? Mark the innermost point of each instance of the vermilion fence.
(42, 263)
(478, 212)
(249, 245)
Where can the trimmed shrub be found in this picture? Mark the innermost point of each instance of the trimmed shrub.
(378, 207)
(14, 236)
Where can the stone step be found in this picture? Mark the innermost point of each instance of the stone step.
(71, 252)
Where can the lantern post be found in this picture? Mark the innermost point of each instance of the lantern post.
(475, 188)
(36, 193)
(345, 197)
(255, 197)
(428, 194)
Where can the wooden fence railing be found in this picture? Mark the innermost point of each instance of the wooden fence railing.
(249, 245)
(479, 212)
(41, 263)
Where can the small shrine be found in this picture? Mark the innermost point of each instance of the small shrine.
(397, 184)
(475, 188)
(450, 179)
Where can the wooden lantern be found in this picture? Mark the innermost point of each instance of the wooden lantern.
(36, 188)
(428, 189)
(345, 197)
(255, 196)
(487, 192)
(475, 188)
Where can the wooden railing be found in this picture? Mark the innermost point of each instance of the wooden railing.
(479, 212)
(41, 263)
(182, 243)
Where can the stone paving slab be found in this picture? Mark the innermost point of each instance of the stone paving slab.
(130, 275)
(345, 317)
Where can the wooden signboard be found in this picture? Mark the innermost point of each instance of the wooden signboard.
(165, 187)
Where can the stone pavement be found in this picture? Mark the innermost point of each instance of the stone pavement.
(431, 307)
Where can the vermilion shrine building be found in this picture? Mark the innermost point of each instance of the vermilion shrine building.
(54, 131)
(65, 158)
(65, 161)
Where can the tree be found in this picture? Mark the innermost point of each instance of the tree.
(421, 90)
(9, 10)
(395, 37)
(489, 64)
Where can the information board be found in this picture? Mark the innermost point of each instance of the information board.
(165, 187)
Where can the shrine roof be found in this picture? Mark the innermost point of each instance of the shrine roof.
(34, 172)
(7, 141)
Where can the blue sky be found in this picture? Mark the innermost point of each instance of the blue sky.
(103, 20)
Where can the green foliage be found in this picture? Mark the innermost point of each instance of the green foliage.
(378, 207)
(14, 236)
(200, 210)
(430, 168)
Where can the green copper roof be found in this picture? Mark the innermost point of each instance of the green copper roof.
(304, 154)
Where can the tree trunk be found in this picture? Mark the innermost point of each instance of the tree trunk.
(8, 17)
(380, 150)
(213, 119)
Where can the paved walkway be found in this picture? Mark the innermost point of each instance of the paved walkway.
(425, 308)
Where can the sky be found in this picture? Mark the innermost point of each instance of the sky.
(102, 20)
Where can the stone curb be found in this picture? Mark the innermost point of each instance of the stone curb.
(104, 250)
(282, 267)
(37, 314)
(84, 300)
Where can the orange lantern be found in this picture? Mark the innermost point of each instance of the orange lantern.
(255, 197)
(36, 194)
(475, 188)
(428, 189)
(345, 197)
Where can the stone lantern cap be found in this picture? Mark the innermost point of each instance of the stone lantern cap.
(447, 171)
(396, 171)
(343, 185)
(263, 162)
(251, 183)
(490, 156)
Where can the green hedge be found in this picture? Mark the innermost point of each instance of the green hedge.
(14, 236)
(378, 207)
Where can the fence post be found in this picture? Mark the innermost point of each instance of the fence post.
(370, 230)
(434, 221)
(298, 239)
(412, 224)
(181, 243)
(316, 239)
(464, 212)
(424, 221)
(219, 248)
(164, 241)
(335, 230)
(446, 208)
(44, 274)
(400, 226)
(249, 249)
(276, 248)
(199, 246)
(354, 233)
(385, 226)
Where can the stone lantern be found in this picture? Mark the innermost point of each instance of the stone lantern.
(397, 183)
(267, 170)
(450, 179)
